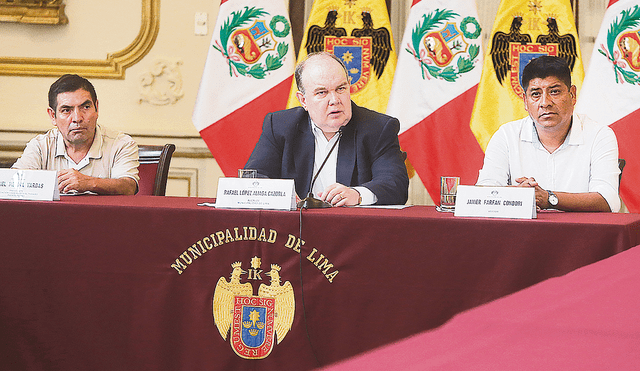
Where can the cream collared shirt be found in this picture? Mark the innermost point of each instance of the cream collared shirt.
(112, 155)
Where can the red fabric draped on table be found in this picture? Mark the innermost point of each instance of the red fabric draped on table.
(586, 320)
(117, 282)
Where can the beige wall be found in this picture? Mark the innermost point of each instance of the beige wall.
(98, 27)
(95, 29)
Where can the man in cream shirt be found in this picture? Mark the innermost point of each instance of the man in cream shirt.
(88, 157)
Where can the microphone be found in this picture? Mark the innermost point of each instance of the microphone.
(311, 202)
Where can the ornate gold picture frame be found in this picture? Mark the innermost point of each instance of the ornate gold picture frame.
(111, 68)
(33, 11)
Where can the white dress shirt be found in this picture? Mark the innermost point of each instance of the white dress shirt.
(587, 161)
(327, 176)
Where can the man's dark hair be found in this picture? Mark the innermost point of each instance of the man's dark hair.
(300, 67)
(545, 66)
(69, 83)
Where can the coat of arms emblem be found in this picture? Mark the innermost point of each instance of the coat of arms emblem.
(630, 46)
(510, 52)
(256, 50)
(355, 52)
(255, 322)
(443, 48)
(250, 43)
(368, 48)
(444, 44)
(623, 46)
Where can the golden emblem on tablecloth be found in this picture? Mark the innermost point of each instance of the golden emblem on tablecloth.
(254, 321)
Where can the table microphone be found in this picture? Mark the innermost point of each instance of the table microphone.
(311, 202)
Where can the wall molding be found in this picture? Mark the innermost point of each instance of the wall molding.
(186, 175)
(112, 68)
(152, 136)
(161, 85)
(36, 12)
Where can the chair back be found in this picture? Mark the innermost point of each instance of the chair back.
(7, 162)
(621, 163)
(154, 169)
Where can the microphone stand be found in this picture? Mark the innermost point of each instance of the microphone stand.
(311, 202)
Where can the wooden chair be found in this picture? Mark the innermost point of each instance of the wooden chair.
(7, 162)
(154, 169)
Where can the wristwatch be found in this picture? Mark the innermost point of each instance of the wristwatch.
(553, 199)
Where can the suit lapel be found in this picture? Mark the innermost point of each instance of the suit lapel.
(304, 158)
(347, 151)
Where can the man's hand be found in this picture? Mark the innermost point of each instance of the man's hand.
(585, 201)
(542, 196)
(72, 180)
(340, 195)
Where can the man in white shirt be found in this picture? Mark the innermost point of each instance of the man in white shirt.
(570, 160)
(88, 157)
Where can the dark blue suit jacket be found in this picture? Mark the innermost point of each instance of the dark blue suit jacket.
(368, 154)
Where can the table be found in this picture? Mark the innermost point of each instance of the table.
(585, 320)
(127, 282)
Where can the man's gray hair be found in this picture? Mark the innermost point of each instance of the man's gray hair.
(300, 67)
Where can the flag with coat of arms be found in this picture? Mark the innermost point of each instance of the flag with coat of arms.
(523, 30)
(611, 91)
(439, 67)
(247, 74)
(359, 33)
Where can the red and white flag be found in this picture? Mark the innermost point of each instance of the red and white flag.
(437, 75)
(611, 90)
(248, 73)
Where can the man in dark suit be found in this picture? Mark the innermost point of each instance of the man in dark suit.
(368, 166)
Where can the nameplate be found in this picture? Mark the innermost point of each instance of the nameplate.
(496, 202)
(256, 193)
(40, 185)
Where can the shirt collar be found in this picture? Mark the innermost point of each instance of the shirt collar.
(319, 134)
(574, 137)
(60, 147)
(94, 152)
(96, 147)
(576, 134)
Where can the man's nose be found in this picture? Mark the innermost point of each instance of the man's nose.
(76, 114)
(334, 98)
(545, 100)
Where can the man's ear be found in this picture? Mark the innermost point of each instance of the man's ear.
(52, 115)
(301, 99)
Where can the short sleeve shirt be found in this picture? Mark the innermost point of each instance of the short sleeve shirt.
(112, 155)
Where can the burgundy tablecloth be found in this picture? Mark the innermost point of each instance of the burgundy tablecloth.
(586, 320)
(127, 282)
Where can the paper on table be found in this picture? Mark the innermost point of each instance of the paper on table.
(76, 193)
(396, 207)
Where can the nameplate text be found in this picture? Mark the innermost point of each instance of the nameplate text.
(256, 193)
(496, 202)
(40, 185)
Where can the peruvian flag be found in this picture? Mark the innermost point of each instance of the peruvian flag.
(611, 90)
(437, 75)
(248, 73)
